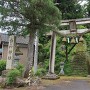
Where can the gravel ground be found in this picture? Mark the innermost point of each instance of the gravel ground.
(64, 83)
(70, 85)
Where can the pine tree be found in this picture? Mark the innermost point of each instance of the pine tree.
(88, 8)
(70, 9)
(24, 17)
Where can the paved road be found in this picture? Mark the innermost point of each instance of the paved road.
(71, 85)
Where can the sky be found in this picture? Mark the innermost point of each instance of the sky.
(81, 3)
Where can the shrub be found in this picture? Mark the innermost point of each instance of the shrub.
(11, 76)
(40, 72)
(68, 68)
(20, 67)
(2, 65)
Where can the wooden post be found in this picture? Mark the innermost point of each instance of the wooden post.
(52, 53)
(66, 53)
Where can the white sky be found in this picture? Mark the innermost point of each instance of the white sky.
(81, 3)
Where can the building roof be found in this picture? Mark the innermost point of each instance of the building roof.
(19, 39)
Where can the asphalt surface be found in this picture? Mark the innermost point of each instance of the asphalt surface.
(71, 85)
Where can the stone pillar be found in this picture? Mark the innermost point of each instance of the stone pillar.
(36, 53)
(52, 53)
(11, 52)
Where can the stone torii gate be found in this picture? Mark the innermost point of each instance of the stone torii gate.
(73, 30)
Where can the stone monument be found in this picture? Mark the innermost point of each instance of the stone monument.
(11, 52)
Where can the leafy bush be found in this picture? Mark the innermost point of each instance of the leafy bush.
(2, 65)
(40, 72)
(20, 67)
(12, 75)
(68, 68)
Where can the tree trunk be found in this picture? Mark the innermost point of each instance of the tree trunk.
(30, 53)
(36, 52)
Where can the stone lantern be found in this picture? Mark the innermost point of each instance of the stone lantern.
(62, 67)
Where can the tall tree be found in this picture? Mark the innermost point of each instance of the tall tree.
(88, 8)
(25, 17)
(70, 9)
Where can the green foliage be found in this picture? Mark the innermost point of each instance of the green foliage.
(79, 64)
(20, 67)
(44, 50)
(60, 55)
(68, 68)
(11, 76)
(28, 15)
(40, 72)
(81, 47)
(2, 65)
(88, 7)
(88, 63)
(14, 73)
(81, 27)
(70, 9)
(87, 38)
(46, 64)
(44, 53)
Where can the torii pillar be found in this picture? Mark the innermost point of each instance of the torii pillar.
(51, 74)
(52, 53)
